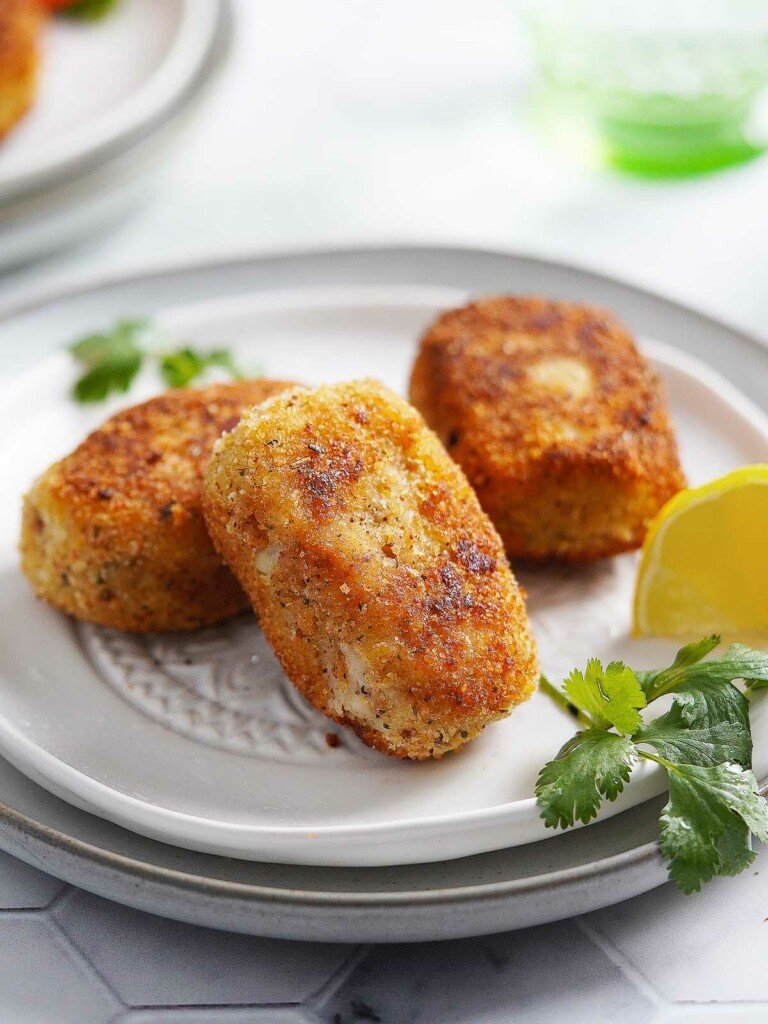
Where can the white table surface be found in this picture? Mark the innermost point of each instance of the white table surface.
(341, 123)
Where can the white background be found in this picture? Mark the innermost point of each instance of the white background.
(352, 121)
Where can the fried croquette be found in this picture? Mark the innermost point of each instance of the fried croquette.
(378, 580)
(20, 22)
(114, 533)
(557, 420)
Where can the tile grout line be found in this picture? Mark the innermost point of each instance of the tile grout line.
(628, 969)
(318, 999)
(172, 1011)
(729, 1004)
(83, 956)
(63, 897)
(10, 912)
(183, 1007)
(52, 902)
(60, 897)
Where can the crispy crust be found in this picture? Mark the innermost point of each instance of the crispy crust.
(19, 25)
(556, 419)
(378, 580)
(114, 533)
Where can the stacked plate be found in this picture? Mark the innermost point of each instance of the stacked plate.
(184, 774)
(112, 96)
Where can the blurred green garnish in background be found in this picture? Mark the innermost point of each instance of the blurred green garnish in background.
(659, 89)
(111, 360)
(90, 10)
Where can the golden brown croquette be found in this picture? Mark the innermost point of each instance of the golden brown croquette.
(557, 420)
(114, 533)
(19, 26)
(378, 580)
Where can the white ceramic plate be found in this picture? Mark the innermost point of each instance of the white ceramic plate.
(514, 888)
(104, 85)
(199, 741)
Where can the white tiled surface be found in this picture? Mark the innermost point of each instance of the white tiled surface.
(721, 933)
(24, 887)
(662, 958)
(337, 123)
(43, 978)
(170, 962)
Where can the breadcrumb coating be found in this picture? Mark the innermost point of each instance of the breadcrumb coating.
(114, 533)
(377, 578)
(20, 22)
(557, 420)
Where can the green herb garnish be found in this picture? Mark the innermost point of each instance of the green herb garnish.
(89, 10)
(186, 364)
(703, 742)
(112, 359)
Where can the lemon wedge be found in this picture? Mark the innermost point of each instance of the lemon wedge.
(704, 566)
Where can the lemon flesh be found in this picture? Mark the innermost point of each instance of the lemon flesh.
(704, 566)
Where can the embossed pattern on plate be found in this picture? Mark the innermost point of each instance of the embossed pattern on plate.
(222, 686)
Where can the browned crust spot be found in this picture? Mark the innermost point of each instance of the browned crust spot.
(379, 581)
(114, 533)
(20, 22)
(575, 474)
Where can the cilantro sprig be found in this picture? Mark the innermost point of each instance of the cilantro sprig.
(111, 360)
(89, 10)
(703, 742)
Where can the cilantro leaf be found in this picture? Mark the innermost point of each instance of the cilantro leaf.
(694, 652)
(611, 696)
(111, 375)
(706, 824)
(738, 662)
(90, 10)
(708, 725)
(124, 338)
(592, 765)
(111, 360)
(223, 357)
(688, 655)
(180, 368)
(704, 742)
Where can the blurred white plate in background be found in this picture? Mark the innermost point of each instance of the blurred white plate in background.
(110, 91)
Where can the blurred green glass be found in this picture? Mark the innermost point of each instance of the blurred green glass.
(661, 89)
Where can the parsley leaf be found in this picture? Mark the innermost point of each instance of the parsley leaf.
(593, 764)
(707, 726)
(610, 696)
(706, 824)
(111, 360)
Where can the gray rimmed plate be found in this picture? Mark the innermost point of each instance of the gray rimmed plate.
(493, 891)
(82, 157)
